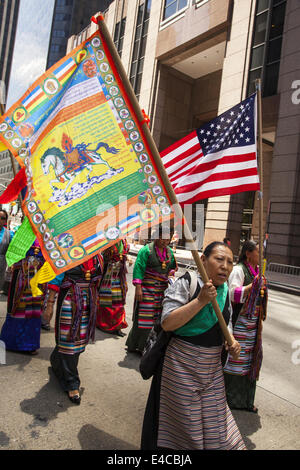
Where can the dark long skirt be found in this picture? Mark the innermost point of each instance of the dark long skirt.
(64, 367)
(240, 391)
(151, 416)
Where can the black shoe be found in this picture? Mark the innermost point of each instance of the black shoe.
(76, 399)
(120, 333)
(45, 326)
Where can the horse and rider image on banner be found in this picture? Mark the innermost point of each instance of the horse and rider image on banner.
(91, 178)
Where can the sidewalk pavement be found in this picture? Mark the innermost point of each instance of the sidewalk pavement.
(276, 281)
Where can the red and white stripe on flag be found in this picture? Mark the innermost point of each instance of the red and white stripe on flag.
(218, 159)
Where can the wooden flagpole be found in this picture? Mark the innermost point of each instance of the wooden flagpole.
(173, 199)
(260, 171)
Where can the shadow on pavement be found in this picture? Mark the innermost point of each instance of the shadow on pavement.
(91, 438)
(248, 424)
(22, 359)
(49, 401)
(131, 361)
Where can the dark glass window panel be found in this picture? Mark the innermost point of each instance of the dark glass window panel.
(140, 66)
(277, 21)
(135, 51)
(274, 50)
(143, 47)
(169, 11)
(168, 2)
(133, 69)
(260, 29)
(262, 5)
(145, 28)
(138, 82)
(140, 15)
(275, 2)
(138, 33)
(123, 24)
(257, 57)
(120, 45)
(116, 35)
(271, 79)
(252, 77)
(182, 4)
(148, 8)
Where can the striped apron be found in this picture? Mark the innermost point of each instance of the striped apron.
(193, 410)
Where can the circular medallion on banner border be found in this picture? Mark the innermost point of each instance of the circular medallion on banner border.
(112, 233)
(60, 263)
(3, 127)
(124, 113)
(32, 207)
(119, 102)
(37, 218)
(147, 215)
(16, 143)
(51, 86)
(50, 245)
(161, 200)
(134, 135)
(156, 190)
(138, 147)
(114, 90)
(104, 67)
(77, 252)
(96, 42)
(19, 115)
(148, 169)
(9, 135)
(152, 179)
(81, 55)
(166, 210)
(55, 254)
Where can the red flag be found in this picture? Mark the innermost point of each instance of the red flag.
(217, 159)
(14, 188)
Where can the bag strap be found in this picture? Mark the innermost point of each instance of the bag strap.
(193, 283)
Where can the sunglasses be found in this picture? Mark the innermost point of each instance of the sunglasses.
(3, 218)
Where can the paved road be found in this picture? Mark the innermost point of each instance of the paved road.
(35, 414)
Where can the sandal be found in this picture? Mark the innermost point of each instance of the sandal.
(254, 409)
(76, 399)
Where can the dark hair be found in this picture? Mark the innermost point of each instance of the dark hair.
(248, 245)
(226, 239)
(4, 211)
(209, 249)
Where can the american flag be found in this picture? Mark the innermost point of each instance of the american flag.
(217, 159)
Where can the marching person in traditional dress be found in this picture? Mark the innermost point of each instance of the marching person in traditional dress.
(113, 289)
(154, 264)
(77, 303)
(187, 408)
(241, 376)
(5, 239)
(22, 327)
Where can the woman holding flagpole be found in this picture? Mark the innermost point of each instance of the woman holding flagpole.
(186, 408)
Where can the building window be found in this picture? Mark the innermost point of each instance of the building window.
(119, 35)
(173, 6)
(139, 48)
(266, 45)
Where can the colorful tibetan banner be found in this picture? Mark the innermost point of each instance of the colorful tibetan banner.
(91, 178)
